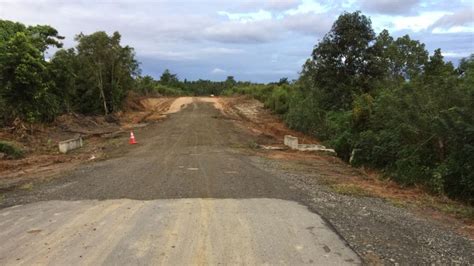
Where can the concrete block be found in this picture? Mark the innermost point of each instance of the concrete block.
(70, 144)
(291, 141)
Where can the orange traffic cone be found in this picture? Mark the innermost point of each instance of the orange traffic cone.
(132, 138)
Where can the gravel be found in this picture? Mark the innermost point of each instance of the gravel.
(378, 231)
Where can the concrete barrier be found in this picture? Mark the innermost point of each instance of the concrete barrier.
(70, 144)
(291, 141)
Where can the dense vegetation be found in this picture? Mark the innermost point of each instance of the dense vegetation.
(379, 101)
(94, 77)
(169, 84)
(384, 103)
(91, 78)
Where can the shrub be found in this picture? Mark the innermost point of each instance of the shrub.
(11, 150)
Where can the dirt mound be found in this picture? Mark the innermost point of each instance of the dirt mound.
(178, 104)
(259, 119)
(133, 102)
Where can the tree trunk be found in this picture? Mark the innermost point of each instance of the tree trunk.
(101, 89)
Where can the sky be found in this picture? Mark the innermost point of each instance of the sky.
(252, 40)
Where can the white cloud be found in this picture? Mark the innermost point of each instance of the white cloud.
(221, 51)
(269, 29)
(218, 71)
(417, 23)
(460, 21)
(279, 5)
(272, 5)
(239, 32)
(455, 29)
(455, 55)
(188, 55)
(414, 23)
(310, 23)
(307, 6)
(247, 17)
(389, 6)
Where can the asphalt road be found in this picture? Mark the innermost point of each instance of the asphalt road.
(185, 195)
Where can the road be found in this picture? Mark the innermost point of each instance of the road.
(185, 195)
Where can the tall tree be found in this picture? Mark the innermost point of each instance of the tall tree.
(343, 61)
(169, 79)
(24, 77)
(107, 67)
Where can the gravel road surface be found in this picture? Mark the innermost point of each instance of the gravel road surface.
(182, 196)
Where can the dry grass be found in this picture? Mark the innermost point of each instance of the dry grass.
(26, 186)
(351, 190)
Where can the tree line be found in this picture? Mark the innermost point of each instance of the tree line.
(385, 103)
(94, 77)
(170, 84)
(91, 78)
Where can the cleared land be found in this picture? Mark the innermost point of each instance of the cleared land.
(196, 189)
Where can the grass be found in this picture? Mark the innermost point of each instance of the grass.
(398, 203)
(351, 190)
(11, 150)
(253, 145)
(459, 210)
(27, 186)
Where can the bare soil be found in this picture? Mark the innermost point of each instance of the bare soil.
(40, 141)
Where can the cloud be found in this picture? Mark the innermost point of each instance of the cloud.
(455, 55)
(415, 23)
(310, 23)
(271, 5)
(218, 71)
(389, 6)
(247, 17)
(308, 6)
(189, 54)
(239, 32)
(458, 19)
(258, 40)
(240, 29)
(279, 5)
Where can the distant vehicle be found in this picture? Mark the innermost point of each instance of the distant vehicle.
(212, 95)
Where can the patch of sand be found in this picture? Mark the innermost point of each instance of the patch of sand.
(182, 102)
(216, 101)
(179, 104)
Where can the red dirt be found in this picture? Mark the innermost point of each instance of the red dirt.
(39, 141)
(260, 120)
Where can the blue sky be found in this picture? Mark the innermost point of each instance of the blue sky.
(259, 40)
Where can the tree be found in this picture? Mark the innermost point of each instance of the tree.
(408, 58)
(229, 82)
(283, 81)
(343, 61)
(169, 79)
(145, 85)
(63, 70)
(24, 76)
(106, 70)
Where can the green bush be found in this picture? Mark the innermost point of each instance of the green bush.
(278, 100)
(11, 150)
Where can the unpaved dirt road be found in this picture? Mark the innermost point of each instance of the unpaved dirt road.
(185, 195)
